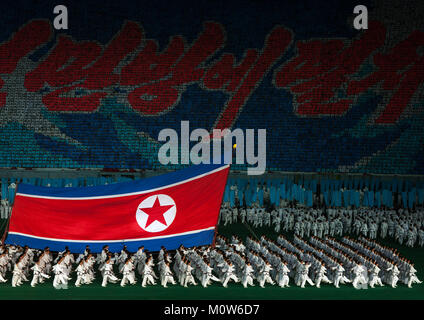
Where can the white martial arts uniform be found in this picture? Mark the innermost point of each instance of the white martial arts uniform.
(303, 275)
(411, 276)
(188, 276)
(108, 275)
(38, 274)
(81, 274)
(393, 277)
(229, 275)
(282, 277)
(264, 276)
(207, 276)
(166, 276)
(340, 277)
(321, 276)
(128, 274)
(60, 280)
(18, 274)
(4, 261)
(374, 277)
(248, 276)
(149, 275)
(359, 281)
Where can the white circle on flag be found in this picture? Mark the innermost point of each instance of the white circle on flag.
(156, 213)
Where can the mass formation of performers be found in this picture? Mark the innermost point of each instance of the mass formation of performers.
(402, 225)
(361, 263)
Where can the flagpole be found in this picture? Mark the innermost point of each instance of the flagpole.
(6, 230)
(214, 238)
(217, 220)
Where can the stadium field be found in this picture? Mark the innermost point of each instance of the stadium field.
(216, 292)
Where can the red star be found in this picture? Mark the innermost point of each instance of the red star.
(156, 213)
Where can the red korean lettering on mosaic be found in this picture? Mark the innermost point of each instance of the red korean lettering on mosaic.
(161, 95)
(400, 71)
(276, 44)
(321, 67)
(24, 41)
(322, 76)
(90, 70)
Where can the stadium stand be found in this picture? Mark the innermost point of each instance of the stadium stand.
(343, 112)
(366, 119)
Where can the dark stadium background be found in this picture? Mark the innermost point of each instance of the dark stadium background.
(115, 138)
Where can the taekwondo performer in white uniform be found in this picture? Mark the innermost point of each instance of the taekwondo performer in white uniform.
(181, 270)
(3, 209)
(89, 266)
(149, 275)
(374, 277)
(411, 275)
(163, 260)
(277, 223)
(108, 274)
(44, 260)
(248, 275)
(177, 263)
(264, 276)
(359, 281)
(68, 260)
(235, 214)
(18, 273)
(60, 280)
(128, 273)
(4, 261)
(81, 273)
(161, 254)
(393, 276)
(303, 275)
(140, 258)
(207, 275)
(321, 276)
(120, 260)
(89, 262)
(103, 256)
(83, 255)
(60, 254)
(229, 274)
(47, 261)
(38, 274)
(243, 215)
(166, 275)
(188, 276)
(282, 277)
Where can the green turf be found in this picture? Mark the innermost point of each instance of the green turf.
(216, 291)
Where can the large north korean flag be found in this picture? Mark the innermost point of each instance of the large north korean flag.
(176, 208)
